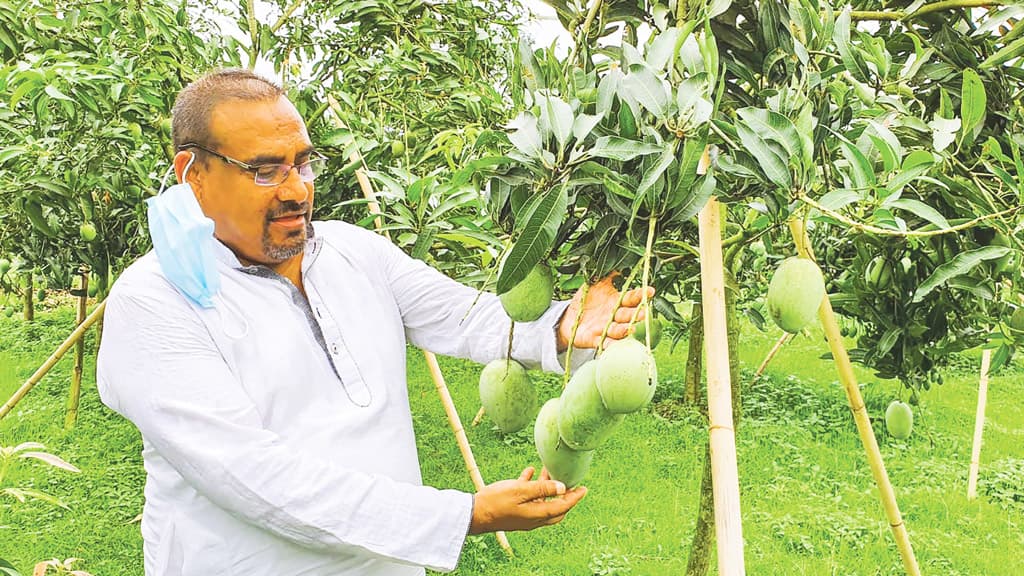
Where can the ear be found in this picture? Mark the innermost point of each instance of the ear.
(181, 160)
(194, 176)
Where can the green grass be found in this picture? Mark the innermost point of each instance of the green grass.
(809, 502)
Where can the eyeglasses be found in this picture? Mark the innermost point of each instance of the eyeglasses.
(270, 174)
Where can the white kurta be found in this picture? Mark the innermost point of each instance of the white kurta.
(277, 434)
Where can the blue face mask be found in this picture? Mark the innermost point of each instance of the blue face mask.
(183, 239)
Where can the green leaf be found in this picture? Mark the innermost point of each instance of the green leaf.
(695, 198)
(652, 93)
(693, 150)
(910, 171)
(888, 340)
(921, 209)
(50, 459)
(526, 137)
(607, 89)
(1004, 54)
(662, 49)
(972, 106)
(861, 172)
(840, 198)
(775, 127)
(584, 125)
(536, 240)
(773, 165)
(11, 152)
(846, 50)
(958, 266)
(55, 93)
(616, 148)
(556, 118)
(657, 169)
(887, 144)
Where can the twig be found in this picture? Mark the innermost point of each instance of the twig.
(918, 234)
(572, 337)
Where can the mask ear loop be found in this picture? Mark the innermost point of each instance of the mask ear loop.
(163, 181)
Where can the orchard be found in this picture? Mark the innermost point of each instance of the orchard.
(844, 182)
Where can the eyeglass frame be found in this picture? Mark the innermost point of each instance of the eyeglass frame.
(254, 168)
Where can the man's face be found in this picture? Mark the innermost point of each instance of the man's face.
(261, 224)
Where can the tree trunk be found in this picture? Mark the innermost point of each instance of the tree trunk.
(30, 312)
(695, 355)
(702, 547)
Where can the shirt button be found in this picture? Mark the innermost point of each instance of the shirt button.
(334, 349)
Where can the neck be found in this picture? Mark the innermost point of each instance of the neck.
(290, 269)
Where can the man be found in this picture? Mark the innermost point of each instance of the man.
(270, 389)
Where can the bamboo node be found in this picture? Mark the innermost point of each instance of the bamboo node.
(896, 525)
(720, 427)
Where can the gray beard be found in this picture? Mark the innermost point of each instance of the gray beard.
(290, 248)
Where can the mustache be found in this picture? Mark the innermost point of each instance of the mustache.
(290, 207)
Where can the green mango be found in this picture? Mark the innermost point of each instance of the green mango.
(1017, 320)
(795, 294)
(583, 421)
(640, 331)
(564, 464)
(878, 274)
(529, 299)
(507, 395)
(626, 376)
(5, 266)
(899, 420)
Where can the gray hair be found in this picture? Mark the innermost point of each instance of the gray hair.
(192, 107)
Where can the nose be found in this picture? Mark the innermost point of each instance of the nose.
(293, 188)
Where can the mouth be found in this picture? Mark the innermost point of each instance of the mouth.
(290, 220)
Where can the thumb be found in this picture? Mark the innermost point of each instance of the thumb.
(543, 489)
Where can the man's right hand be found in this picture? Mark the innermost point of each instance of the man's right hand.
(522, 504)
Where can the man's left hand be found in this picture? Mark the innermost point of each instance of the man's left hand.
(598, 308)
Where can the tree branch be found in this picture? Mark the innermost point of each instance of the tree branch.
(885, 232)
(284, 16)
(879, 15)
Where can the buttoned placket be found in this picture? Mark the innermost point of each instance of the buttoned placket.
(339, 353)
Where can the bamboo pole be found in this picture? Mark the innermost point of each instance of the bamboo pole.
(53, 359)
(771, 354)
(435, 370)
(728, 527)
(979, 425)
(76, 376)
(860, 413)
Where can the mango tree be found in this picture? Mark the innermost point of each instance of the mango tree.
(85, 129)
(889, 146)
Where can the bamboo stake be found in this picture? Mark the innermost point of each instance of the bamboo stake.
(479, 416)
(76, 376)
(725, 477)
(860, 413)
(53, 359)
(979, 425)
(435, 370)
(771, 354)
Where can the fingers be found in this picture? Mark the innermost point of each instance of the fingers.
(542, 489)
(617, 332)
(624, 315)
(527, 473)
(635, 297)
(559, 507)
(544, 474)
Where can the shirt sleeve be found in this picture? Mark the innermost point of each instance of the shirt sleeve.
(159, 367)
(449, 318)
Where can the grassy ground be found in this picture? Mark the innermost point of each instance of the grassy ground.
(809, 503)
